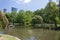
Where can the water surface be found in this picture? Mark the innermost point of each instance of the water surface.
(34, 34)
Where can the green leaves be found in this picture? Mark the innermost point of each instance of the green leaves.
(37, 19)
(51, 11)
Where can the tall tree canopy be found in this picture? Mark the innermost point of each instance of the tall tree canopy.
(51, 12)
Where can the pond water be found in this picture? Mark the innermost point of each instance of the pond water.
(1, 32)
(33, 34)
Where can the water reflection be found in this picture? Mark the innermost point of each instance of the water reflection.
(1, 32)
(31, 36)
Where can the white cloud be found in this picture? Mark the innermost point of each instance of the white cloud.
(21, 1)
(27, 1)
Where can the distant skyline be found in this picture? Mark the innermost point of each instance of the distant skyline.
(23, 4)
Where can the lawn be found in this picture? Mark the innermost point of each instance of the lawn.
(7, 37)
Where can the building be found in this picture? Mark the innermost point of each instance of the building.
(4, 10)
(13, 9)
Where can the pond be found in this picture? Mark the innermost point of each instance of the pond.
(33, 34)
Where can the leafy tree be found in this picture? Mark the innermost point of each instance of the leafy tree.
(29, 15)
(57, 20)
(21, 17)
(8, 15)
(41, 13)
(13, 16)
(51, 12)
(37, 20)
(3, 20)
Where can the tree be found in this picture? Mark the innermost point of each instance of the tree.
(51, 12)
(13, 16)
(3, 20)
(1, 15)
(21, 17)
(57, 20)
(41, 13)
(29, 15)
(8, 15)
(37, 20)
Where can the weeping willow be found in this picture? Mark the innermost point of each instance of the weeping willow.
(3, 21)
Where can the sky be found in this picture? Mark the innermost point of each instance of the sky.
(24, 4)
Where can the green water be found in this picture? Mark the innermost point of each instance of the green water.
(34, 34)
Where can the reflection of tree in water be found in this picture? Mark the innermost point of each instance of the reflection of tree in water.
(30, 36)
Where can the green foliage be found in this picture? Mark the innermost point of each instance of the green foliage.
(57, 20)
(21, 17)
(51, 6)
(51, 11)
(13, 16)
(8, 15)
(29, 15)
(39, 12)
(37, 19)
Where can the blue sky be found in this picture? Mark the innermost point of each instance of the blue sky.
(23, 4)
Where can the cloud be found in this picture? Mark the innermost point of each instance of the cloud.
(21, 1)
(27, 1)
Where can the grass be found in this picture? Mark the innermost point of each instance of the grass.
(8, 37)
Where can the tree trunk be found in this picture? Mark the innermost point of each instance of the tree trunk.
(55, 24)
